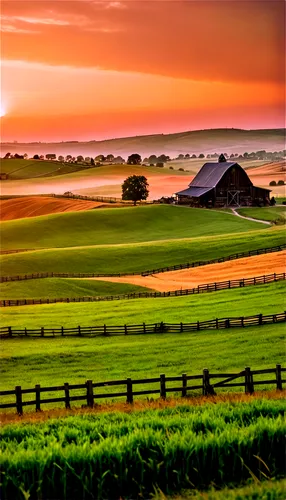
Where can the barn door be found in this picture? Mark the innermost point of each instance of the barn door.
(233, 198)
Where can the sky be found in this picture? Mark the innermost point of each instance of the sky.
(90, 70)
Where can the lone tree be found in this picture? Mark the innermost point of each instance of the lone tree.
(135, 188)
(134, 159)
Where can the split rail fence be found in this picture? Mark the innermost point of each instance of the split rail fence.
(104, 330)
(202, 382)
(104, 199)
(209, 287)
(176, 267)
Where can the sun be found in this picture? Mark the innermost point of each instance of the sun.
(2, 111)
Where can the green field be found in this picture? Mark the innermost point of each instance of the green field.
(135, 455)
(266, 213)
(31, 169)
(130, 258)
(237, 302)
(62, 287)
(27, 361)
(113, 226)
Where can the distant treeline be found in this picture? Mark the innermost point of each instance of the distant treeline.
(152, 160)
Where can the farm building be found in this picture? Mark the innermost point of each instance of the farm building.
(222, 184)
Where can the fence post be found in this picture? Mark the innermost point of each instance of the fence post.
(184, 379)
(19, 404)
(89, 393)
(38, 397)
(125, 329)
(278, 378)
(242, 321)
(42, 331)
(248, 381)
(181, 327)
(198, 325)
(129, 391)
(144, 328)
(162, 386)
(63, 331)
(104, 330)
(67, 395)
(260, 321)
(216, 323)
(206, 382)
(9, 331)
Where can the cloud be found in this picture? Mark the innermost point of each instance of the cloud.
(201, 40)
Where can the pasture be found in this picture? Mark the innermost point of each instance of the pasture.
(113, 226)
(62, 287)
(135, 257)
(236, 302)
(270, 214)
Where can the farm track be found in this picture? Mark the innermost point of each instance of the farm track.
(250, 218)
(192, 277)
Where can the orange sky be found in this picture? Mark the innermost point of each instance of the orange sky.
(102, 69)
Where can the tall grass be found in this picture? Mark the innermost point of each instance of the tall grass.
(129, 455)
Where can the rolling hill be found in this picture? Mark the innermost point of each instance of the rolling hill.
(197, 141)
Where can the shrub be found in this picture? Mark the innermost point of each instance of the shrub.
(171, 168)
(181, 169)
(280, 183)
(272, 183)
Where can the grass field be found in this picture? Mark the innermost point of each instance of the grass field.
(130, 258)
(29, 361)
(134, 455)
(265, 213)
(268, 299)
(113, 226)
(62, 287)
(50, 362)
(30, 169)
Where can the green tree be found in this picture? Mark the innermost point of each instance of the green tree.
(134, 159)
(135, 188)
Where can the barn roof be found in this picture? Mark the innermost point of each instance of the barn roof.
(211, 173)
(194, 192)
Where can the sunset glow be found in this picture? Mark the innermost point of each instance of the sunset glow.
(90, 70)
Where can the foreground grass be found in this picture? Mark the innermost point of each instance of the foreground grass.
(113, 226)
(138, 257)
(62, 288)
(49, 362)
(123, 455)
(265, 490)
(268, 299)
(266, 213)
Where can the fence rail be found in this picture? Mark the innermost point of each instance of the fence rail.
(176, 267)
(104, 199)
(104, 330)
(127, 388)
(208, 287)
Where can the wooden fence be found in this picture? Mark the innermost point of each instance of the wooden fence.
(208, 287)
(176, 267)
(104, 330)
(104, 199)
(128, 391)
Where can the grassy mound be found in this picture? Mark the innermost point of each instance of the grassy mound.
(266, 213)
(138, 257)
(62, 287)
(112, 226)
(129, 455)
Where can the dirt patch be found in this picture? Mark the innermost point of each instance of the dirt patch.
(33, 206)
(191, 278)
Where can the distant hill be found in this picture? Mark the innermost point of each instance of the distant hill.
(192, 142)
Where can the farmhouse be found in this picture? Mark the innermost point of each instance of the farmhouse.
(222, 184)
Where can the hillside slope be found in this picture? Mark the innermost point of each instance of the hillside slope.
(197, 141)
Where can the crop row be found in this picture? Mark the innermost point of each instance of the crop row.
(129, 455)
